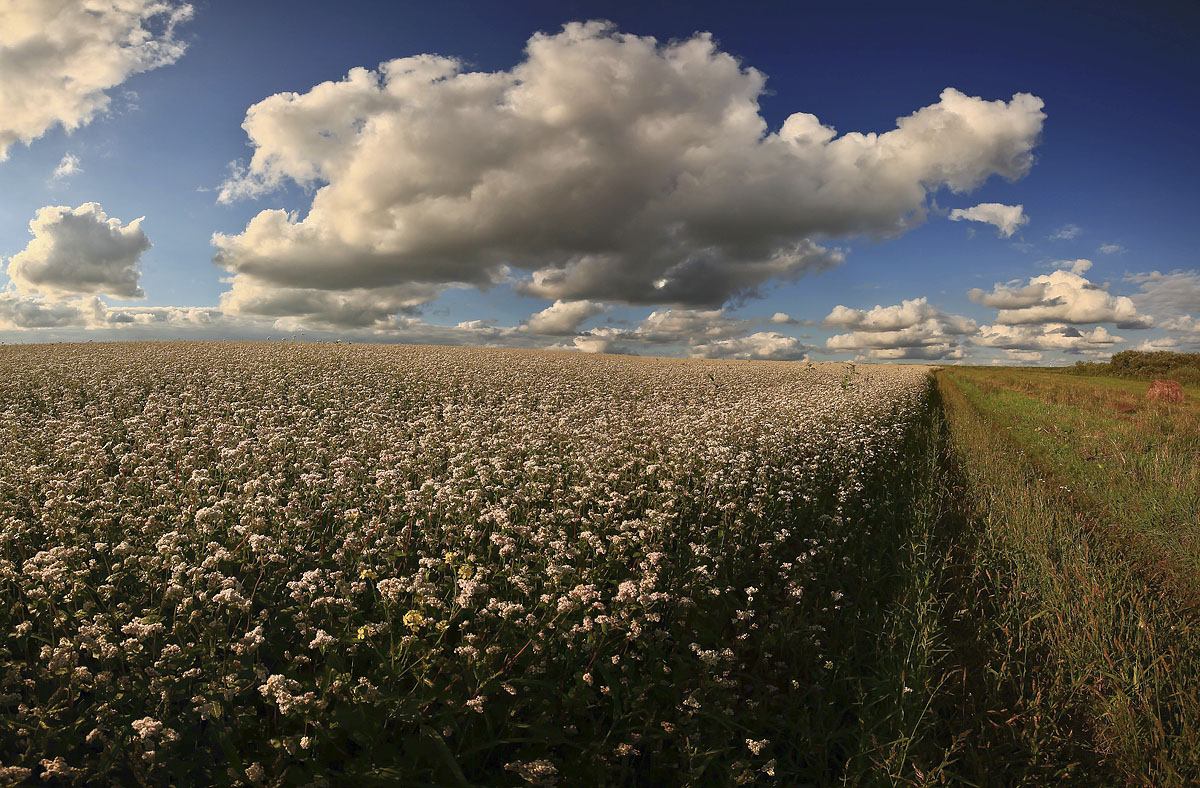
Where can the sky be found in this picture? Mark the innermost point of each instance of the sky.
(930, 182)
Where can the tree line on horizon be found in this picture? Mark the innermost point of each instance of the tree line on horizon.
(1138, 364)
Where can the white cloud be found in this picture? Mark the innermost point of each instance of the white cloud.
(689, 326)
(927, 332)
(1162, 343)
(1078, 267)
(1005, 218)
(605, 166)
(1052, 336)
(1186, 324)
(598, 340)
(911, 329)
(1024, 356)
(1110, 249)
(563, 317)
(1183, 330)
(764, 345)
(24, 312)
(711, 333)
(80, 252)
(1066, 232)
(1063, 296)
(59, 57)
(1011, 295)
(68, 166)
(892, 318)
(938, 352)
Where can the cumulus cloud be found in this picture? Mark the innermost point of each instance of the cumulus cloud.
(913, 342)
(80, 251)
(360, 307)
(1064, 296)
(911, 329)
(1162, 343)
(763, 346)
(19, 311)
(60, 57)
(701, 333)
(1012, 295)
(1005, 218)
(68, 166)
(603, 166)
(1184, 323)
(1078, 267)
(1066, 232)
(1024, 356)
(563, 317)
(689, 327)
(906, 314)
(1183, 330)
(598, 340)
(1051, 336)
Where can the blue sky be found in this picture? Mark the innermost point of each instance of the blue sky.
(1103, 169)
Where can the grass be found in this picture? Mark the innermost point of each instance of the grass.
(1078, 578)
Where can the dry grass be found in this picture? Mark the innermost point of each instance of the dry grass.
(1085, 559)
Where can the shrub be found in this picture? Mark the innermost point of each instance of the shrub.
(1188, 376)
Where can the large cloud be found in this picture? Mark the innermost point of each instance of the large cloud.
(59, 57)
(603, 166)
(361, 307)
(1005, 218)
(563, 318)
(1051, 336)
(689, 326)
(79, 251)
(1184, 323)
(906, 314)
(22, 312)
(762, 346)
(711, 333)
(1154, 345)
(1064, 296)
(911, 329)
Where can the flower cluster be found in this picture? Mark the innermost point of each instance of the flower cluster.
(286, 564)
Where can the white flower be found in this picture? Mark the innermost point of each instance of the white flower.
(757, 747)
(147, 727)
(322, 640)
(255, 772)
(540, 772)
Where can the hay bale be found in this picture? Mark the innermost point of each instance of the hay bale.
(1165, 391)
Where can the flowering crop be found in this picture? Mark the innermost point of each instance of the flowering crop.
(294, 564)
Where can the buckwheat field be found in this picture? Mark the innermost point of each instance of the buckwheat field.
(304, 564)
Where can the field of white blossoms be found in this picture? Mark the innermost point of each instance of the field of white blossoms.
(311, 564)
